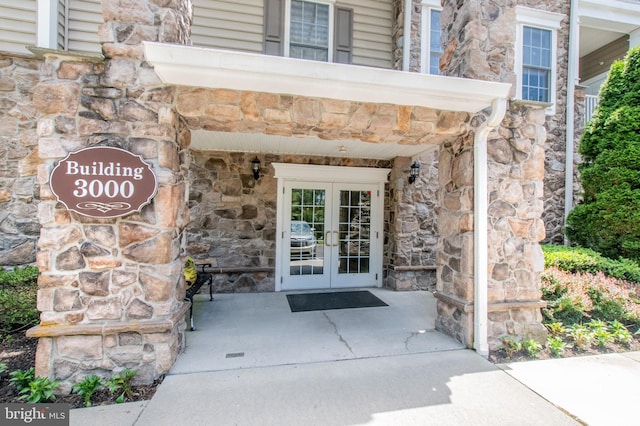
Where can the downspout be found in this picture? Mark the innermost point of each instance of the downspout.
(572, 80)
(480, 219)
(406, 39)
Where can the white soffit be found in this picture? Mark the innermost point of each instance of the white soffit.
(213, 68)
(202, 140)
(610, 15)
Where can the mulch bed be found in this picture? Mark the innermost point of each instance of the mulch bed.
(19, 353)
(500, 356)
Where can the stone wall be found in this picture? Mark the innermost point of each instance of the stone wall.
(19, 191)
(111, 290)
(233, 215)
(516, 177)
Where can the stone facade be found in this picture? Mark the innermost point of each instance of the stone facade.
(516, 180)
(19, 191)
(111, 290)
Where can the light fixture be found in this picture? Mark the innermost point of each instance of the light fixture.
(414, 172)
(343, 149)
(255, 168)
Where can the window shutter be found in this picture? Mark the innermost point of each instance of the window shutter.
(343, 35)
(273, 27)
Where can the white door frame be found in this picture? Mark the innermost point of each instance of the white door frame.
(329, 174)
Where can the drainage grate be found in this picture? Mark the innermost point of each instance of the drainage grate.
(235, 355)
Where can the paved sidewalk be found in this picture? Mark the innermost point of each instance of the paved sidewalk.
(253, 362)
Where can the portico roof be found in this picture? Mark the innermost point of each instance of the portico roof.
(213, 68)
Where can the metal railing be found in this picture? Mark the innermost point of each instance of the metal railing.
(590, 105)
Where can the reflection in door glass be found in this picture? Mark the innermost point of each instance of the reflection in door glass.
(355, 232)
(307, 231)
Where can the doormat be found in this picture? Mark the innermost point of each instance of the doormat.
(333, 300)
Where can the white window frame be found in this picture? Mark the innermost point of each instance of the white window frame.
(527, 17)
(425, 30)
(287, 26)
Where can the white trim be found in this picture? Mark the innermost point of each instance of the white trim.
(406, 36)
(572, 81)
(425, 31)
(307, 173)
(47, 29)
(480, 228)
(610, 15)
(285, 172)
(551, 21)
(287, 26)
(634, 38)
(212, 68)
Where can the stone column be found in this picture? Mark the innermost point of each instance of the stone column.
(479, 42)
(111, 290)
(400, 32)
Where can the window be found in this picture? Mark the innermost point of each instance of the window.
(536, 64)
(535, 67)
(432, 32)
(309, 31)
(320, 31)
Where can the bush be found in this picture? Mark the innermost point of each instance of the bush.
(18, 293)
(578, 259)
(577, 298)
(607, 219)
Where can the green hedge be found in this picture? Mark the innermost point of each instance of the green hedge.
(18, 293)
(578, 259)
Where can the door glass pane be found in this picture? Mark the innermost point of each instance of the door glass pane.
(354, 232)
(307, 231)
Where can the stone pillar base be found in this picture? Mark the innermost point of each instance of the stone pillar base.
(70, 352)
(520, 318)
(405, 278)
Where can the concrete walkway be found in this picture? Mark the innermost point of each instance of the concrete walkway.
(253, 362)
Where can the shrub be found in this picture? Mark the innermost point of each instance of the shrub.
(41, 389)
(578, 259)
(531, 347)
(556, 345)
(511, 346)
(122, 383)
(607, 219)
(581, 336)
(18, 293)
(87, 387)
(20, 379)
(576, 298)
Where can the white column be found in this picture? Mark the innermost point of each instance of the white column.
(480, 227)
(47, 31)
(634, 38)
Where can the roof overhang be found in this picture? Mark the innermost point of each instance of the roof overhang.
(214, 68)
(612, 15)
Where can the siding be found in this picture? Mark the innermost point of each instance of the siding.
(233, 25)
(18, 26)
(372, 28)
(238, 25)
(599, 61)
(84, 17)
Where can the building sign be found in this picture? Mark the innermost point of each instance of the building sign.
(103, 182)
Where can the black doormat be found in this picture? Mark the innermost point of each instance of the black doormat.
(333, 300)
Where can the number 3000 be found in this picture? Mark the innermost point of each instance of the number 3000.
(110, 189)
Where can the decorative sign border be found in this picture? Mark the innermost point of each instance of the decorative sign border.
(103, 182)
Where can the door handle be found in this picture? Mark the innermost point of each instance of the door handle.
(326, 238)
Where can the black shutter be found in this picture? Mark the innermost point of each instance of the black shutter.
(343, 43)
(273, 27)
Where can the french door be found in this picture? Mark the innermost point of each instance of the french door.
(330, 235)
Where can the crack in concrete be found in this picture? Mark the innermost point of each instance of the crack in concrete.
(335, 330)
(411, 336)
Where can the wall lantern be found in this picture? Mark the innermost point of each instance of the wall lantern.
(414, 172)
(255, 168)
